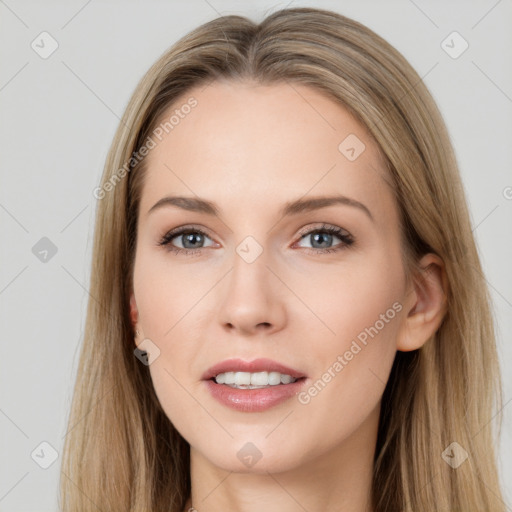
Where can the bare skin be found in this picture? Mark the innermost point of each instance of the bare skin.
(251, 149)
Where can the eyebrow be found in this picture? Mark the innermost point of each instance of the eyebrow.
(195, 204)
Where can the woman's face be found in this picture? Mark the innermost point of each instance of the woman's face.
(266, 280)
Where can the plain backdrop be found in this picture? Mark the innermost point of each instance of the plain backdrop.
(58, 117)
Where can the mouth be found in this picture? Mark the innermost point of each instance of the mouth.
(252, 386)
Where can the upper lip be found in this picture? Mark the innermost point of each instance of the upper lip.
(256, 365)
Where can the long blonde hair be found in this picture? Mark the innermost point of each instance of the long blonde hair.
(121, 452)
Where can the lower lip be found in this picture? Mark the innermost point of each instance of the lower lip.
(253, 400)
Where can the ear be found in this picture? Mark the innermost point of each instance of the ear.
(425, 304)
(134, 313)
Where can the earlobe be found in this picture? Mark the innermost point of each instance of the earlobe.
(427, 305)
(134, 314)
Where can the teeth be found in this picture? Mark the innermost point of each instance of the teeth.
(286, 379)
(246, 380)
(242, 378)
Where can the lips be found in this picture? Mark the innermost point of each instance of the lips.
(245, 399)
(257, 365)
(254, 400)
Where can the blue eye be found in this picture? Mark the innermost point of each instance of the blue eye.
(319, 236)
(192, 239)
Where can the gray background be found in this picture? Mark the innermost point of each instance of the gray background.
(58, 117)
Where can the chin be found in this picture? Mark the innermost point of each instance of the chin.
(252, 457)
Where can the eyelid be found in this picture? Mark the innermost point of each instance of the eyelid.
(173, 233)
(347, 239)
(325, 226)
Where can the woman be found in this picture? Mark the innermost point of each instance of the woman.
(287, 306)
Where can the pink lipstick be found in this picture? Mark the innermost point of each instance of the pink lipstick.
(253, 386)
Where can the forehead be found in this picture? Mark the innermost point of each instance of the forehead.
(242, 142)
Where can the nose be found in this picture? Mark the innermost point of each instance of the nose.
(252, 298)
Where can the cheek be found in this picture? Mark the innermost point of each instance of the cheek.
(361, 314)
(166, 294)
(359, 300)
(165, 302)
(171, 390)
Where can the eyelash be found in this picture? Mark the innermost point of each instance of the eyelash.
(346, 238)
